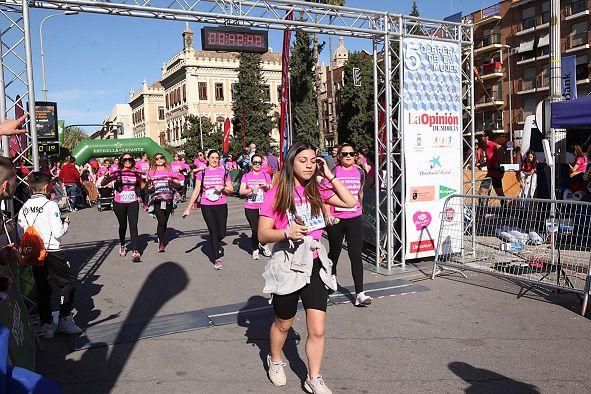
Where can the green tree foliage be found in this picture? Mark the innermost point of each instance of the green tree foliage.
(250, 104)
(356, 124)
(303, 97)
(193, 136)
(73, 136)
(415, 10)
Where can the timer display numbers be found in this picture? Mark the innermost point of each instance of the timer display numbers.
(233, 39)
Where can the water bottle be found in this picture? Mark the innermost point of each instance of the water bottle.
(512, 246)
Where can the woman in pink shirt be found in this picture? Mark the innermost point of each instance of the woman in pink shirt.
(162, 183)
(212, 184)
(253, 186)
(230, 164)
(579, 167)
(291, 210)
(125, 205)
(349, 225)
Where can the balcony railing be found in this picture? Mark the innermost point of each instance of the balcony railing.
(487, 40)
(577, 40)
(488, 125)
(528, 23)
(575, 7)
(520, 114)
(524, 84)
(493, 95)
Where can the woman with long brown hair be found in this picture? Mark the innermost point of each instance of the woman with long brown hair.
(162, 184)
(125, 205)
(291, 217)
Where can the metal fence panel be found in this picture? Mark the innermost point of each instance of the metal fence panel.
(540, 242)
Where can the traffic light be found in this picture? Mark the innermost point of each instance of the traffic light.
(356, 76)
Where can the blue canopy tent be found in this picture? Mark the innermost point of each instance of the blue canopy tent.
(572, 114)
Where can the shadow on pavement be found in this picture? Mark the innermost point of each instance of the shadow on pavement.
(98, 370)
(257, 323)
(244, 242)
(485, 381)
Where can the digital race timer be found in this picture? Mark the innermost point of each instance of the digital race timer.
(234, 39)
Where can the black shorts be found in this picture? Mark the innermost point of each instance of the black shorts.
(314, 296)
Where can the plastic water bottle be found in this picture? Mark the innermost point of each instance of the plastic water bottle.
(512, 246)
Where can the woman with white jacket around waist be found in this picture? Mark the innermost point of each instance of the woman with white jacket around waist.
(292, 210)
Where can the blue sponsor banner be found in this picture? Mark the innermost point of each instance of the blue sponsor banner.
(569, 77)
(457, 17)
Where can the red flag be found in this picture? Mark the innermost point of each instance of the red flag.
(17, 143)
(226, 145)
(284, 131)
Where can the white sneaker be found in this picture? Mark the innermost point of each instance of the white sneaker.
(276, 372)
(362, 299)
(316, 385)
(255, 254)
(266, 250)
(68, 326)
(47, 331)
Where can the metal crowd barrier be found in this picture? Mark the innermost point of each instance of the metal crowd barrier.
(538, 242)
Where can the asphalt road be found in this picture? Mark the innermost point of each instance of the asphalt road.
(470, 335)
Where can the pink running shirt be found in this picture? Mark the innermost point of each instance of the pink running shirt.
(255, 199)
(351, 179)
(129, 180)
(211, 179)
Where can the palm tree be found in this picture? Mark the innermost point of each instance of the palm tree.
(317, 80)
(73, 136)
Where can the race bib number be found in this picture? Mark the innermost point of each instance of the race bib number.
(305, 213)
(212, 195)
(339, 209)
(127, 196)
(256, 198)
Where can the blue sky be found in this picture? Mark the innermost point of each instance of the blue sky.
(92, 61)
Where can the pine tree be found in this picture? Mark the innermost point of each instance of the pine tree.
(303, 97)
(356, 125)
(415, 10)
(250, 105)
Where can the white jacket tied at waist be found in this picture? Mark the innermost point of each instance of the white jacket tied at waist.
(290, 266)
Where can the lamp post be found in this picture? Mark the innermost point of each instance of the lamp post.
(41, 45)
(199, 109)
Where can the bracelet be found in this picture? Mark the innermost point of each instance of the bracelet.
(333, 178)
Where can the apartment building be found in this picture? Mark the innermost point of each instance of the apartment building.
(511, 56)
(147, 111)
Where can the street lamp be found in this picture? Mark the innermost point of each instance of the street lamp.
(198, 109)
(41, 44)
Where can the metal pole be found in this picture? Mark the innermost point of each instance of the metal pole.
(31, 87)
(389, 199)
(402, 178)
(510, 100)
(473, 147)
(376, 164)
(5, 147)
(332, 119)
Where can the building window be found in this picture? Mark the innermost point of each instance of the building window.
(267, 92)
(529, 106)
(160, 113)
(184, 93)
(582, 67)
(528, 18)
(219, 122)
(529, 79)
(579, 35)
(219, 91)
(202, 90)
(166, 98)
(278, 93)
(167, 135)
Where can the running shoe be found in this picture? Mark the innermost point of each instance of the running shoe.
(316, 385)
(362, 299)
(266, 250)
(255, 255)
(218, 264)
(68, 326)
(136, 257)
(122, 251)
(276, 372)
(161, 247)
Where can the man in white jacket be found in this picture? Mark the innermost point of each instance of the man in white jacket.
(44, 215)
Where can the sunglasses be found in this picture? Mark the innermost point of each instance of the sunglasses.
(350, 154)
(257, 163)
(159, 157)
(127, 159)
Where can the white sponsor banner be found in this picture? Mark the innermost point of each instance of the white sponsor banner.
(432, 132)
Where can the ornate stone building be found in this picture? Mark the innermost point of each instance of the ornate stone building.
(147, 111)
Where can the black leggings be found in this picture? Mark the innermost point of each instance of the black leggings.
(162, 216)
(215, 217)
(352, 230)
(125, 213)
(252, 215)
